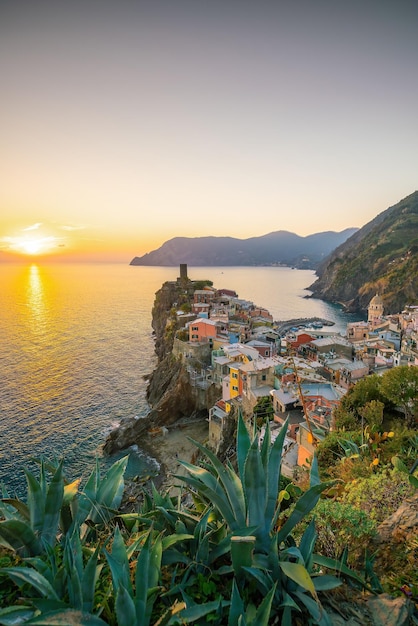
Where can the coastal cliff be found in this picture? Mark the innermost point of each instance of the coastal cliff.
(170, 392)
(382, 257)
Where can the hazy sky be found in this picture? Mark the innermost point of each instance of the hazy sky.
(126, 123)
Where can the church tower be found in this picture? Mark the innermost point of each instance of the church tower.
(375, 311)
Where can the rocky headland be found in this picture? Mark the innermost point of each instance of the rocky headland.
(174, 401)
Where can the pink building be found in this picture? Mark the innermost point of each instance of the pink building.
(202, 329)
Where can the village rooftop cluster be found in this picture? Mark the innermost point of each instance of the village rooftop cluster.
(299, 370)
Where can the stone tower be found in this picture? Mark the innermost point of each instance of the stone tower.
(183, 275)
(375, 311)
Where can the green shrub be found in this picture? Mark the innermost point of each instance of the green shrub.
(380, 494)
(342, 527)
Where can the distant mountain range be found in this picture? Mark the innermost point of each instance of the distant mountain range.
(381, 257)
(277, 248)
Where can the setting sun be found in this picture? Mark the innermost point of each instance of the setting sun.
(31, 246)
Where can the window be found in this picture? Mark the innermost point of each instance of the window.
(234, 388)
(234, 375)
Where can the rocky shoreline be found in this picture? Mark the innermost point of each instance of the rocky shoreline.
(168, 448)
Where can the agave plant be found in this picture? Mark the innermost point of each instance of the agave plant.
(134, 603)
(49, 531)
(28, 528)
(249, 502)
(64, 581)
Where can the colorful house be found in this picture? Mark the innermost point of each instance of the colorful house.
(203, 330)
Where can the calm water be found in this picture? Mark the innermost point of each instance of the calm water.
(76, 343)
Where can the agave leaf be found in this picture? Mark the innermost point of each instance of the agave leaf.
(53, 502)
(146, 577)
(18, 506)
(201, 526)
(204, 476)
(315, 609)
(160, 500)
(289, 602)
(298, 573)
(12, 615)
(20, 537)
(224, 546)
(243, 444)
(110, 491)
(307, 544)
(242, 553)
(237, 606)
(339, 567)
(231, 482)
(292, 553)
(71, 490)
(202, 552)
(314, 474)
(135, 545)
(196, 612)
(132, 520)
(304, 505)
(125, 608)
(413, 480)
(255, 489)
(325, 582)
(89, 579)
(155, 563)
(33, 578)
(171, 556)
(87, 495)
(211, 491)
(262, 616)
(73, 563)
(67, 617)
(265, 446)
(169, 518)
(75, 591)
(119, 563)
(169, 541)
(273, 476)
(36, 502)
(173, 610)
(286, 617)
(262, 577)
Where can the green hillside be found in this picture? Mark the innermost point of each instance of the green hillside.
(382, 257)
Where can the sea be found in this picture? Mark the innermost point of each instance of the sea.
(76, 347)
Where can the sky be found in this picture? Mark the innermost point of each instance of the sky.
(126, 123)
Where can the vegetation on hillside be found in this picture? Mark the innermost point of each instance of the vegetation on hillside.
(382, 257)
(372, 453)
